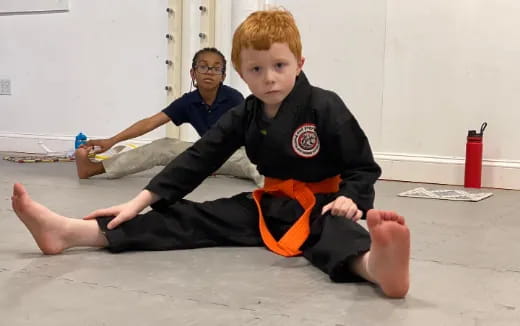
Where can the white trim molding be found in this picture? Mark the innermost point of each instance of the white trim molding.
(503, 174)
(44, 144)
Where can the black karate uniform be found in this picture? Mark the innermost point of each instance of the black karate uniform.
(313, 137)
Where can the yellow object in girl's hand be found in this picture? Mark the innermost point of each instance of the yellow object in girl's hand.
(111, 152)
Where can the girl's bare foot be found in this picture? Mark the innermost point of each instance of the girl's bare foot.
(47, 228)
(389, 255)
(85, 167)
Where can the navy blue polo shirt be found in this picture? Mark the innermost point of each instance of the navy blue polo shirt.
(191, 108)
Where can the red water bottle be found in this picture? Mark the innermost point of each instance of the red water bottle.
(473, 164)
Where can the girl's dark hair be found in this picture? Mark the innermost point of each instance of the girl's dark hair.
(212, 50)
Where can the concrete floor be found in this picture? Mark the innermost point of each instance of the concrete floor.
(465, 267)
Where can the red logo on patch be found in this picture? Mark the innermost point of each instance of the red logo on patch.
(305, 141)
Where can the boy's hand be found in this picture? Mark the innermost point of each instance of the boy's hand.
(99, 145)
(126, 211)
(343, 206)
(122, 213)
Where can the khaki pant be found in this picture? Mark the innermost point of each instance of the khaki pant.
(160, 152)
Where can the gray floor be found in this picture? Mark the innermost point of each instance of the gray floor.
(465, 267)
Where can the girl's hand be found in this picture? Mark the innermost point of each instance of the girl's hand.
(99, 145)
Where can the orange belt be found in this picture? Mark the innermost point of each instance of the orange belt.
(289, 245)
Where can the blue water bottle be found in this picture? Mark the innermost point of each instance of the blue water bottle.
(81, 139)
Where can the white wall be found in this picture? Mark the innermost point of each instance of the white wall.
(96, 68)
(417, 75)
(449, 66)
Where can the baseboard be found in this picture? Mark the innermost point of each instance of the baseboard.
(402, 167)
(503, 174)
(32, 143)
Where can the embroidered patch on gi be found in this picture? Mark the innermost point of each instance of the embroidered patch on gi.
(305, 141)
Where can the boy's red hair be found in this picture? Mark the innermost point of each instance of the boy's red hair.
(263, 28)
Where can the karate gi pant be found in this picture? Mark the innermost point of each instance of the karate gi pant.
(160, 152)
(333, 243)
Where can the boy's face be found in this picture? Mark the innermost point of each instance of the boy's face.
(270, 74)
(208, 71)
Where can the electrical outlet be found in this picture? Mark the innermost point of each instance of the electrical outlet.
(5, 87)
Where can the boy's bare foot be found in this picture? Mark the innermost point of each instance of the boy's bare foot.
(389, 256)
(86, 168)
(47, 227)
